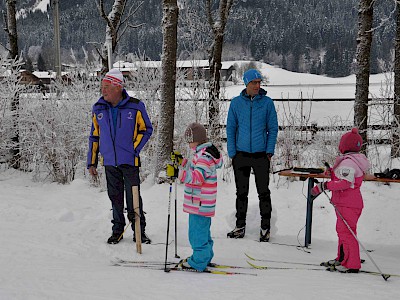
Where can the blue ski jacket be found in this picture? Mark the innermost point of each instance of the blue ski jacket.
(252, 124)
(122, 144)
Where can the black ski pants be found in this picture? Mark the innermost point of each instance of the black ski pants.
(242, 163)
(120, 179)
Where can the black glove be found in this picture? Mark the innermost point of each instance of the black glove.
(131, 216)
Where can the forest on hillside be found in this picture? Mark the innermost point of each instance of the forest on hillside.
(312, 36)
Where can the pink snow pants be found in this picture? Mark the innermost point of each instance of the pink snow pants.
(350, 245)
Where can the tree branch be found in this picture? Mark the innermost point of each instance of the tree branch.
(100, 6)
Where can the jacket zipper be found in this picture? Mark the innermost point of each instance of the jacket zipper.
(251, 123)
(112, 136)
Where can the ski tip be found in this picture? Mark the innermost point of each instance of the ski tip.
(167, 270)
(249, 257)
(257, 267)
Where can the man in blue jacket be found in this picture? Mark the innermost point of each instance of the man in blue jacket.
(120, 129)
(252, 129)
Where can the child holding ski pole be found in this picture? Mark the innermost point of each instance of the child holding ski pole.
(346, 179)
(200, 177)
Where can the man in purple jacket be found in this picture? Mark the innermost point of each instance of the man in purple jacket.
(120, 129)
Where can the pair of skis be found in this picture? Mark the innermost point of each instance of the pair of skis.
(310, 266)
(212, 268)
(220, 269)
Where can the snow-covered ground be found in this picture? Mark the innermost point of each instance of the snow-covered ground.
(53, 240)
(53, 245)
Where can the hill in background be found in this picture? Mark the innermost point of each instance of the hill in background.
(308, 36)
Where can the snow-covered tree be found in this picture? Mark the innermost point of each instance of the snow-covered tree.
(116, 26)
(11, 29)
(165, 128)
(364, 40)
(218, 23)
(395, 151)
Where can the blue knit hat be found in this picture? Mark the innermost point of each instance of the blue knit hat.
(250, 75)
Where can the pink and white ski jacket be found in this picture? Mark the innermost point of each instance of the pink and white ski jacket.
(200, 178)
(346, 178)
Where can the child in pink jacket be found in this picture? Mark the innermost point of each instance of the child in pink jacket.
(200, 177)
(346, 179)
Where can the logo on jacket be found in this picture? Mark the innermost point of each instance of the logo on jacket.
(130, 116)
(345, 172)
(100, 116)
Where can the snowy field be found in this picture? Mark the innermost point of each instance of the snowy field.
(53, 238)
(53, 245)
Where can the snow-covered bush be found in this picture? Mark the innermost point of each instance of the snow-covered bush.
(9, 109)
(55, 128)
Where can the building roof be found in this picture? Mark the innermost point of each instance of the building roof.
(128, 66)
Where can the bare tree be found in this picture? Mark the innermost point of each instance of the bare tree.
(10, 27)
(395, 151)
(218, 29)
(116, 26)
(165, 129)
(364, 41)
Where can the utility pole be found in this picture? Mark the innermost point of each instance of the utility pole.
(57, 38)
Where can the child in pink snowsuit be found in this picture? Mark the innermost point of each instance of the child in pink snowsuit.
(346, 178)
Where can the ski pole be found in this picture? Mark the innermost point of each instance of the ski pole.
(119, 238)
(176, 223)
(384, 276)
(169, 217)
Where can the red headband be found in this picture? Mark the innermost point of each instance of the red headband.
(113, 80)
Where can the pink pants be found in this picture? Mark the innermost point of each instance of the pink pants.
(349, 245)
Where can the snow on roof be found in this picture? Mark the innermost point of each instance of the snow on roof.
(47, 74)
(129, 66)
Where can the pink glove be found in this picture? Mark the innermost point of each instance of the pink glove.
(318, 189)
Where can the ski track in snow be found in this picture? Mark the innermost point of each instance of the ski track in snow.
(54, 246)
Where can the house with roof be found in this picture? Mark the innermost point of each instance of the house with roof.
(190, 69)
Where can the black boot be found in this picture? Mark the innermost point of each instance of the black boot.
(330, 263)
(343, 269)
(264, 235)
(115, 238)
(237, 233)
(145, 238)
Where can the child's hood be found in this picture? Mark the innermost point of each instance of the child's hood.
(210, 150)
(359, 159)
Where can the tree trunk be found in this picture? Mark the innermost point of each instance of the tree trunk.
(113, 20)
(214, 89)
(165, 128)
(218, 29)
(11, 29)
(395, 151)
(364, 40)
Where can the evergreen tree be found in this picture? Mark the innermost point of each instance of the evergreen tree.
(266, 26)
(41, 64)
(28, 63)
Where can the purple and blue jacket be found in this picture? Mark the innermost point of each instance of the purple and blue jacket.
(120, 144)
